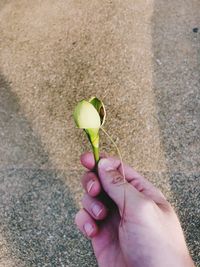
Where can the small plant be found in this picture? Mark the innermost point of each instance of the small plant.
(90, 116)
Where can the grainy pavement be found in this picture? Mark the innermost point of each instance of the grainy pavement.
(143, 58)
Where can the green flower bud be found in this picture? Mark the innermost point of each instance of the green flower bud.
(86, 115)
(90, 116)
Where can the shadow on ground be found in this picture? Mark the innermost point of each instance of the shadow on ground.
(176, 86)
(36, 207)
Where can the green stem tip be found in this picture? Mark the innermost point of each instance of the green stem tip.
(96, 154)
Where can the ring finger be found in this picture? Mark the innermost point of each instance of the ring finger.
(94, 207)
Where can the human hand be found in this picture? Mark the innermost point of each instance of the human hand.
(135, 226)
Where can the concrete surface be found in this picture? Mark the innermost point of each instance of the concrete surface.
(141, 57)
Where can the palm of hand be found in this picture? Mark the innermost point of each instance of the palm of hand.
(106, 244)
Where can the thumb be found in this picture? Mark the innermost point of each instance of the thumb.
(113, 184)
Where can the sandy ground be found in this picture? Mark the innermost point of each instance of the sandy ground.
(143, 59)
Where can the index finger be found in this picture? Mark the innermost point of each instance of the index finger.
(88, 161)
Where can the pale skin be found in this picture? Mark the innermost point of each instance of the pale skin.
(145, 232)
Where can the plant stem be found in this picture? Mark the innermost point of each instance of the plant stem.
(93, 136)
(96, 154)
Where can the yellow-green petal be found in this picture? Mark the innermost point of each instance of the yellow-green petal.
(99, 106)
(86, 116)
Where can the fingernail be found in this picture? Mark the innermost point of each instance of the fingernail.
(88, 228)
(90, 185)
(96, 210)
(105, 164)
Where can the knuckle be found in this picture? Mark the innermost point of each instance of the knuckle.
(84, 198)
(83, 178)
(116, 177)
(77, 217)
(167, 206)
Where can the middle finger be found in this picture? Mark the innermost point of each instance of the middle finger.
(91, 184)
